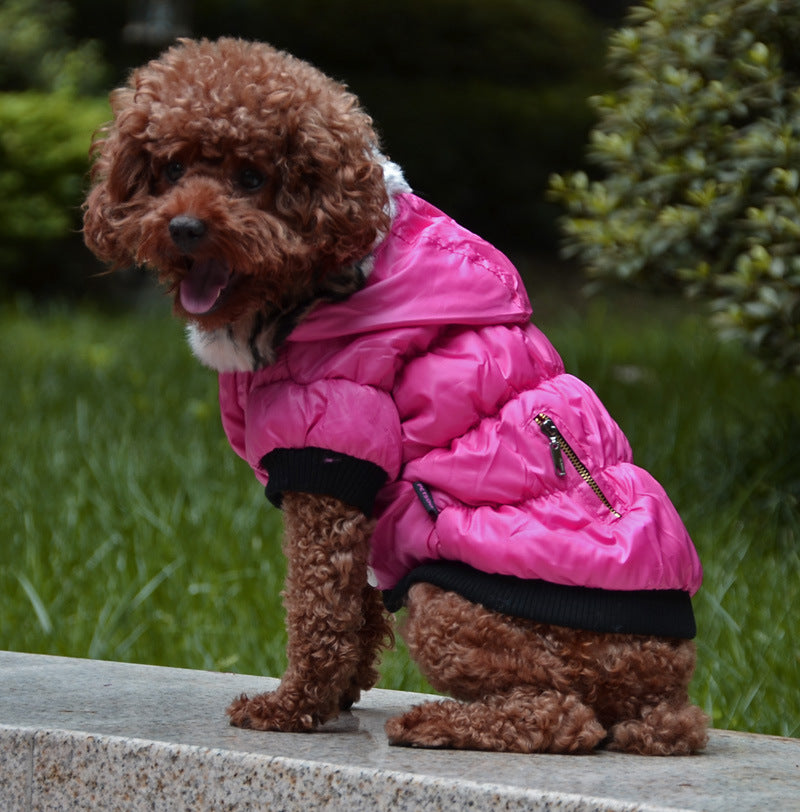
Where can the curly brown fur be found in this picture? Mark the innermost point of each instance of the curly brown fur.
(334, 622)
(252, 184)
(530, 687)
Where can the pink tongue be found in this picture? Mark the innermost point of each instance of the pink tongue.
(202, 287)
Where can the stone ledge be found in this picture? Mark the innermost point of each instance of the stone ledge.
(83, 734)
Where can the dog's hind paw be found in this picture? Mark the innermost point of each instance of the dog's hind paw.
(519, 722)
(420, 727)
(664, 730)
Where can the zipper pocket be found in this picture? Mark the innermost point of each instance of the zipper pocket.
(559, 447)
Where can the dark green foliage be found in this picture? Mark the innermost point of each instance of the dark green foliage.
(36, 53)
(44, 144)
(698, 151)
(45, 128)
(43, 152)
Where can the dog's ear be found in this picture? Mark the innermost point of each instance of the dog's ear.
(120, 176)
(332, 184)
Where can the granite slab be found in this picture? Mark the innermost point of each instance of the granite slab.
(85, 734)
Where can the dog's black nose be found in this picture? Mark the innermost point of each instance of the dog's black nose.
(187, 232)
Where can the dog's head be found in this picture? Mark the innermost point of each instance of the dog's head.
(242, 175)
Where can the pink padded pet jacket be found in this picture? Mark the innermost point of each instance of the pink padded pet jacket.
(429, 400)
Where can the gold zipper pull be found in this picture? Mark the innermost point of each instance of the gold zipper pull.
(559, 447)
(552, 433)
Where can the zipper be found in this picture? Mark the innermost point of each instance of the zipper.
(559, 448)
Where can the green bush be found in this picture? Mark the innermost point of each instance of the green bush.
(698, 149)
(36, 52)
(46, 122)
(44, 144)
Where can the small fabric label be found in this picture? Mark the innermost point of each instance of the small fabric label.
(424, 496)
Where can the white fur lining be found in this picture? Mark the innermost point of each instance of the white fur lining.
(396, 184)
(393, 177)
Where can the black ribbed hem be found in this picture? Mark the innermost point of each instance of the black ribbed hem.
(316, 470)
(663, 613)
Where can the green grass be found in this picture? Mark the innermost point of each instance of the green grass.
(130, 530)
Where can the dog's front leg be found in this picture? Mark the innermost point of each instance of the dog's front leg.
(326, 545)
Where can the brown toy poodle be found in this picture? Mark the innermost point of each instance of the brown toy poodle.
(379, 371)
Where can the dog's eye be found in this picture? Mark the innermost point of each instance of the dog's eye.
(173, 171)
(250, 179)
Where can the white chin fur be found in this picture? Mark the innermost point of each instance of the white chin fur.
(219, 350)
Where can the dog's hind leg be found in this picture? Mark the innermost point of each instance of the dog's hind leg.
(326, 544)
(521, 721)
(659, 720)
(515, 692)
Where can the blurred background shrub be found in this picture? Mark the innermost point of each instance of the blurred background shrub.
(43, 144)
(51, 90)
(39, 54)
(698, 153)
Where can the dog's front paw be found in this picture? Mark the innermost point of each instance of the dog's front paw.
(270, 711)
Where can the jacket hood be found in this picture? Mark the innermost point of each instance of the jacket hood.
(428, 271)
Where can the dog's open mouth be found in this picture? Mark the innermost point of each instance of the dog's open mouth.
(204, 284)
